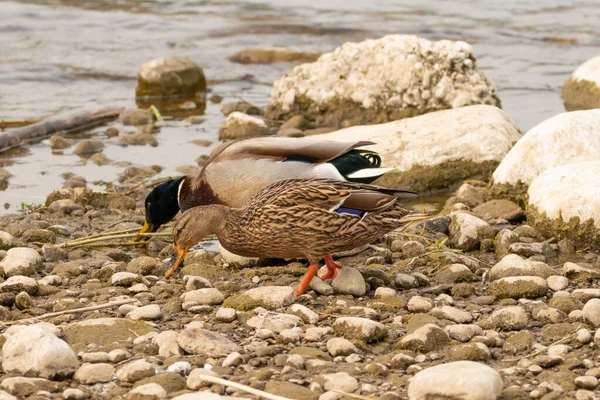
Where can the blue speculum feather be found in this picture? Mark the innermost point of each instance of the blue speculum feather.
(345, 210)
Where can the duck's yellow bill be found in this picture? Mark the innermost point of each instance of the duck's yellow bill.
(146, 228)
(180, 256)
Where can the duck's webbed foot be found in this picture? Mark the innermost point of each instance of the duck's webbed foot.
(332, 268)
(312, 271)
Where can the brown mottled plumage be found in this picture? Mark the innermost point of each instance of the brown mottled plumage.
(296, 218)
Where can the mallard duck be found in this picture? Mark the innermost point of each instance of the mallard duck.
(297, 218)
(237, 170)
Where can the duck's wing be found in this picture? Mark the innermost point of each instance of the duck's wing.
(281, 148)
(326, 194)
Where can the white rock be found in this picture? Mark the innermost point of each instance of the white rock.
(591, 312)
(563, 139)
(569, 191)
(139, 288)
(180, 367)
(584, 336)
(419, 304)
(339, 381)
(167, 344)
(6, 240)
(274, 322)
(271, 297)
(315, 334)
(52, 280)
(359, 73)
(559, 350)
(557, 283)
(168, 76)
(88, 374)
(453, 314)
(586, 382)
(194, 380)
(124, 279)
(36, 351)
(349, 281)
(463, 333)
(21, 261)
(151, 390)
(586, 294)
(238, 125)
(118, 355)
(382, 292)
(70, 394)
(19, 283)
(232, 359)
(465, 380)
(296, 361)
(432, 140)
(340, 347)
(320, 286)
(515, 265)
(425, 339)
(467, 231)
(135, 371)
(359, 329)
(149, 312)
(94, 357)
(204, 342)
(509, 318)
(225, 314)
(307, 315)
(580, 91)
(207, 296)
(196, 282)
(578, 272)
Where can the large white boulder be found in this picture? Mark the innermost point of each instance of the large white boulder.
(381, 80)
(566, 192)
(582, 90)
(563, 139)
(438, 149)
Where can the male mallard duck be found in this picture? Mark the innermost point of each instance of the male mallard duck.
(237, 170)
(297, 218)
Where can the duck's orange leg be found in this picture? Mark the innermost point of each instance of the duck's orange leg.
(312, 271)
(332, 268)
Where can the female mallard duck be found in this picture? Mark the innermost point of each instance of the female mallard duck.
(297, 218)
(235, 171)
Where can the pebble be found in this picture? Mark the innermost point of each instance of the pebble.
(453, 314)
(124, 279)
(584, 336)
(467, 231)
(135, 371)
(149, 391)
(419, 304)
(21, 261)
(557, 283)
(515, 265)
(23, 301)
(455, 273)
(509, 318)
(195, 381)
(232, 359)
(359, 329)
(320, 286)
(382, 292)
(349, 281)
(196, 282)
(591, 312)
(412, 248)
(274, 323)
(584, 295)
(307, 315)
(36, 351)
(89, 374)
(118, 355)
(463, 333)
(406, 281)
(167, 344)
(94, 357)
(225, 314)
(19, 283)
(338, 381)
(206, 296)
(455, 380)
(270, 297)
(517, 287)
(295, 361)
(146, 313)
(340, 347)
(425, 339)
(180, 367)
(586, 382)
(71, 394)
(290, 335)
(204, 342)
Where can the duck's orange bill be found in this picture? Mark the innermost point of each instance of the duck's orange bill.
(180, 256)
(146, 228)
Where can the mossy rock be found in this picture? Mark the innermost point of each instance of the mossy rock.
(107, 333)
(208, 271)
(519, 342)
(311, 352)
(469, 351)
(290, 390)
(415, 321)
(566, 379)
(389, 303)
(565, 304)
(554, 332)
(427, 178)
(170, 381)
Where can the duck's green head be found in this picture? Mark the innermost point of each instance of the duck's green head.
(161, 205)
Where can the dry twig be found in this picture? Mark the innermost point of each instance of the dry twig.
(244, 388)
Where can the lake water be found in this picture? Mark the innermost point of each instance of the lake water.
(66, 55)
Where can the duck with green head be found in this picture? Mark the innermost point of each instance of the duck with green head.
(237, 170)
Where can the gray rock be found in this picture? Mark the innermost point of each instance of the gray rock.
(340, 347)
(429, 337)
(454, 273)
(143, 265)
(321, 287)
(532, 249)
(147, 313)
(36, 351)
(149, 391)
(226, 314)
(463, 333)
(359, 329)
(591, 312)
(195, 381)
(135, 371)
(349, 281)
(196, 282)
(238, 125)
(338, 381)
(586, 382)
(59, 142)
(232, 359)
(275, 323)
(509, 318)
(170, 76)
(419, 304)
(406, 281)
(582, 295)
(517, 287)
(88, 374)
(73, 394)
(21, 261)
(204, 342)
(557, 283)
(383, 292)
(125, 279)
(167, 344)
(6, 240)
(514, 265)
(207, 296)
(502, 242)
(23, 387)
(467, 231)
(23, 301)
(453, 314)
(579, 273)
(269, 297)
(466, 380)
(471, 195)
(88, 147)
(307, 315)
(94, 357)
(500, 209)
(412, 248)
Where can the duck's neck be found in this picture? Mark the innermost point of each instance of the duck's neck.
(196, 193)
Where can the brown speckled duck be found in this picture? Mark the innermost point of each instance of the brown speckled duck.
(235, 171)
(297, 218)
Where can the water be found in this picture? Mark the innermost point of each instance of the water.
(65, 55)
